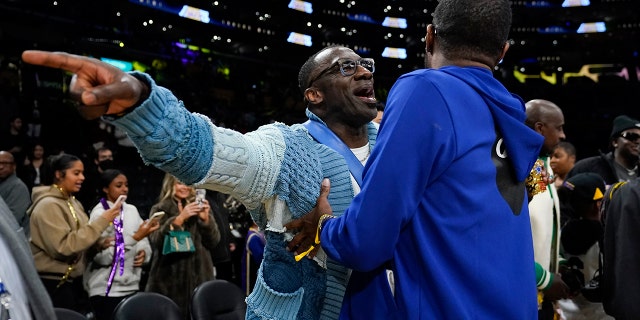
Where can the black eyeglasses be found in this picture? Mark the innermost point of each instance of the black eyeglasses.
(348, 67)
(631, 136)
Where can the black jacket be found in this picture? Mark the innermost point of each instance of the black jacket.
(621, 280)
(602, 165)
(178, 274)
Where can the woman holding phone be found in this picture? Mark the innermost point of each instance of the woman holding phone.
(176, 275)
(114, 272)
(61, 232)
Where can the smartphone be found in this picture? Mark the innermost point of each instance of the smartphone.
(200, 194)
(157, 215)
(120, 199)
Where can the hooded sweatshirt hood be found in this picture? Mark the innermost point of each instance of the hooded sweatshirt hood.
(42, 192)
(521, 142)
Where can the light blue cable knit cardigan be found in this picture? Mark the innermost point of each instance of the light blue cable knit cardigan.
(274, 164)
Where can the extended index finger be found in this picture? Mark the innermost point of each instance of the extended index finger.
(58, 60)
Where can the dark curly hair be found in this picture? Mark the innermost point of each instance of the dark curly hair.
(465, 28)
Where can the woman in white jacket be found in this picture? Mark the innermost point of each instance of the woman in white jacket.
(114, 272)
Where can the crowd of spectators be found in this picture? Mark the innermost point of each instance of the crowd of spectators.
(37, 121)
(37, 115)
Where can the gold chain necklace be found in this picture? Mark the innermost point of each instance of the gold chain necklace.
(67, 274)
(73, 211)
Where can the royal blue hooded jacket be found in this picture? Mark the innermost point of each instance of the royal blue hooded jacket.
(443, 204)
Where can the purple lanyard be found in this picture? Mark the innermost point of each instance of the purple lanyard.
(118, 255)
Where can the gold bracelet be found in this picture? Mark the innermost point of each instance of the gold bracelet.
(320, 222)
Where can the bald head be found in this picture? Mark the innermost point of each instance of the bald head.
(539, 110)
(7, 165)
(546, 118)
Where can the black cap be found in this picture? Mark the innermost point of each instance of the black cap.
(588, 186)
(622, 123)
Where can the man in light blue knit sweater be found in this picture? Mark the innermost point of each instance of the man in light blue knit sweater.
(275, 171)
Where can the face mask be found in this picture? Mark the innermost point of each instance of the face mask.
(105, 164)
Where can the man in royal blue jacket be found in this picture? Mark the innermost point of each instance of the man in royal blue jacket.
(443, 193)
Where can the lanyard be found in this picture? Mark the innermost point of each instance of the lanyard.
(67, 274)
(118, 254)
(329, 139)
